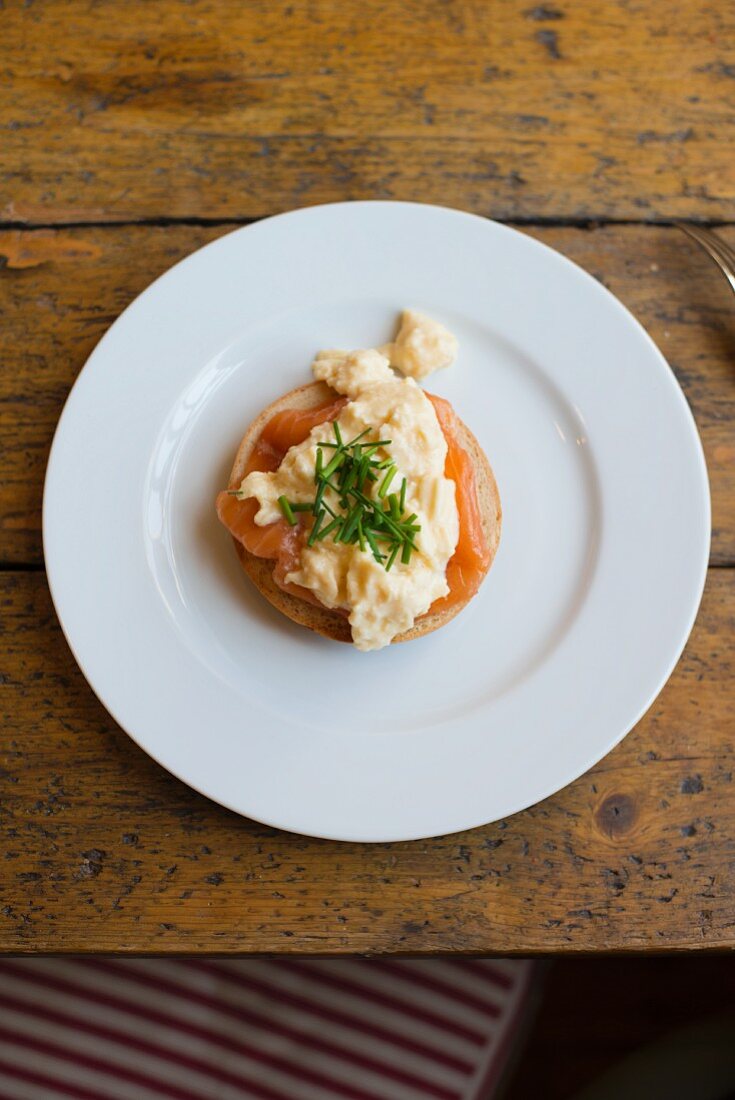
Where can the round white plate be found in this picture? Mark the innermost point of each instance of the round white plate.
(588, 605)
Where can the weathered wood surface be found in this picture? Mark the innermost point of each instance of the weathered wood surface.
(120, 110)
(211, 111)
(103, 851)
(61, 289)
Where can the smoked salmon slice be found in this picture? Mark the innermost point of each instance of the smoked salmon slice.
(276, 540)
(471, 559)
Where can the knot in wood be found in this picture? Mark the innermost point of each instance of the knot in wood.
(616, 815)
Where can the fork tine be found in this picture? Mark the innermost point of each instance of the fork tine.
(719, 244)
(715, 247)
(728, 251)
(711, 244)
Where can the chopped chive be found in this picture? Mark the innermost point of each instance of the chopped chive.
(363, 499)
(367, 519)
(411, 518)
(330, 485)
(374, 546)
(351, 524)
(315, 529)
(385, 484)
(369, 449)
(234, 493)
(391, 525)
(287, 511)
(328, 529)
(392, 556)
(335, 463)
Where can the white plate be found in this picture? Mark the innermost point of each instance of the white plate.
(577, 627)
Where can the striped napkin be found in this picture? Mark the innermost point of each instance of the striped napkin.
(141, 1029)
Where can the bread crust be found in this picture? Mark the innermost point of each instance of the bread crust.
(333, 624)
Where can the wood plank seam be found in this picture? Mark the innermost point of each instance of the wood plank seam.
(529, 222)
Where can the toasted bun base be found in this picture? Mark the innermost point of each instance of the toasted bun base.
(332, 624)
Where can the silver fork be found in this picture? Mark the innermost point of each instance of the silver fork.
(719, 250)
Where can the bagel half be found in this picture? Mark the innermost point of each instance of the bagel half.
(333, 624)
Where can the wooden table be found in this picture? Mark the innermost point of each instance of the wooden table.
(135, 132)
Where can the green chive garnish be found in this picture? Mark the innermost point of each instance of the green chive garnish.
(351, 524)
(385, 484)
(373, 546)
(328, 529)
(365, 519)
(392, 556)
(335, 463)
(287, 511)
(315, 529)
(350, 478)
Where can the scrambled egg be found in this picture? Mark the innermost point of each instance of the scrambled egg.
(380, 604)
(421, 346)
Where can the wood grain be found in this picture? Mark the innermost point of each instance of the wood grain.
(211, 111)
(120, 110)
(103, 851)
(61, 289)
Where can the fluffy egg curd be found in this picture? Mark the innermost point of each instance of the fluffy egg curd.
(396, 426)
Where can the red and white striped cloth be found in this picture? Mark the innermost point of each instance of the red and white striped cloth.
(141, 1029)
